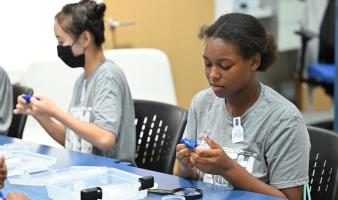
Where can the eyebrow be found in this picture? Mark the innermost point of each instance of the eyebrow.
(221, 59)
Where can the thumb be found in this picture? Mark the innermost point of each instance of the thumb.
(211, 143)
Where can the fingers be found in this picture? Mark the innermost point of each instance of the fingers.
(2, 160)
(179, 147)
(22, 109)
(183, 155)
(16, 196)
(211, 143)
(21, 100)
(182, 151)
(3, 171)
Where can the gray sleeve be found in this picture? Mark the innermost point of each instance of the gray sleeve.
(287, 153)
(191, 126)
(6, 104)
(108, 103)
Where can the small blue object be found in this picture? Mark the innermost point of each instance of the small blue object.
(190, 143)
(27, 98)
(2, 196)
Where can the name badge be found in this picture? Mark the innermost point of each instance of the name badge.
(237, 131)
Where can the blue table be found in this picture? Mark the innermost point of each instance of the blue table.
(67, 158)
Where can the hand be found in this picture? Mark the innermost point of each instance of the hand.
(183, 155)
(38, 106)
(16, 196)
(213, 160)
(42, 106)
(3, 171)
(22, 107)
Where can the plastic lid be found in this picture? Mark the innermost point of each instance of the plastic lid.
(53, 176)
(21, 162)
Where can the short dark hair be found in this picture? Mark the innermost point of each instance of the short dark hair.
(248, 34)
(85, 15)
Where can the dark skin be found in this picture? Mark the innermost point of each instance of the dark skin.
(3, 171)
(231, 77)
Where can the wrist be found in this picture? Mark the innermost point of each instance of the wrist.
(229, 170)
(58, 114)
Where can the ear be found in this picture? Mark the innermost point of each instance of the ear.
(255, 61)
(86, 38)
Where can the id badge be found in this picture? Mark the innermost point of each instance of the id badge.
(237, 131)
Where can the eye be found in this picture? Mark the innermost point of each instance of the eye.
(207, 64)
(224, 65)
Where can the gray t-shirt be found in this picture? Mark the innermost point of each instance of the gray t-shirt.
(6, 102)
(276, 143)
(106, 98)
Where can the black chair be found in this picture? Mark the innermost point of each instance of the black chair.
(159, 127)
(18, 121)
(323, 164)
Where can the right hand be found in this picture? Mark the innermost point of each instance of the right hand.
(183, 155)
(22, 107)
(16, 196)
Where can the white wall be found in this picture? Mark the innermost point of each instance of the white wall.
(27, 32)
(26, 37)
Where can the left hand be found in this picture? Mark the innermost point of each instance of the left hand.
(213, 160)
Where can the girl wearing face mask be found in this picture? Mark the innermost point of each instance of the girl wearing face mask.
(248, 136)
(100, 119)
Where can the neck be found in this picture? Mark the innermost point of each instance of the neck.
(239, 103)
(94, 57)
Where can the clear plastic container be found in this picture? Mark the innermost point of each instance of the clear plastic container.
(173, 197)
(56, 175)
(115, 184)
(24, 162)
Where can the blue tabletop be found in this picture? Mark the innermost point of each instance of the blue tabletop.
(67, 158)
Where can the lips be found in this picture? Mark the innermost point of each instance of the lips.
(217, 88)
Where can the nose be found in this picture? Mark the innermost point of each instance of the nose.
(214, 74)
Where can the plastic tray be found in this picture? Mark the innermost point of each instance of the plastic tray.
(57, 175)
(115, 184)
(22, 162)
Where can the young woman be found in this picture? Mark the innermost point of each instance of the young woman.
(248, 135)
(100, 119)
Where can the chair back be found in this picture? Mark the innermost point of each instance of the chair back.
(323, 163)
(18, 121)
(139, 65)
(159, 127)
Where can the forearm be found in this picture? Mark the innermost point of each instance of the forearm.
(186, 172)
(242, 179)
(95, 135)
(54, 129)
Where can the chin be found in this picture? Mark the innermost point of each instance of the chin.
(220, 94)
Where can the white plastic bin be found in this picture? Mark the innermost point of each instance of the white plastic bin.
(115, 184)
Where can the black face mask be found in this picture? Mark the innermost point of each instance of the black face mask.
(67, 56)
